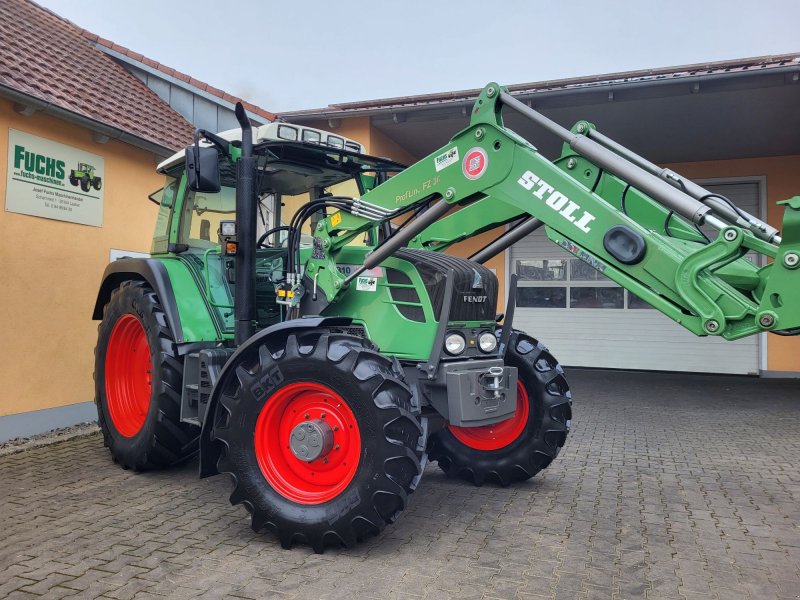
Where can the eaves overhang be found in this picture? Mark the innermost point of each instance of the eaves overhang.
(27, 104)
(683, 79)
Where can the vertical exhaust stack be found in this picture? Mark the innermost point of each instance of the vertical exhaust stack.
(244, 287)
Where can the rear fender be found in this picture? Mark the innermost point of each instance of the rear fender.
(209, 450)
(187, 313)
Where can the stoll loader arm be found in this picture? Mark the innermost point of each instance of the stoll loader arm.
(633, 221)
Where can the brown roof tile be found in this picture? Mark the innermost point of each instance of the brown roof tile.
(45, 56)
(257, 110)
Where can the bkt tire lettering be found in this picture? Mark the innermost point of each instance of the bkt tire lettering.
(557, 201)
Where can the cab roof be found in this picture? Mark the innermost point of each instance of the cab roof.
(277, 131)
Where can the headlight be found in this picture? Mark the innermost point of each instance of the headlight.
(454, 343)
(487, 342)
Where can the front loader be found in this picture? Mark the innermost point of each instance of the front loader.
(322, 362)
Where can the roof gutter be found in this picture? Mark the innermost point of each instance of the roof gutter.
(112, 133)
(574, 89)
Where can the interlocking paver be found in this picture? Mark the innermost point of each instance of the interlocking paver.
(670, 486)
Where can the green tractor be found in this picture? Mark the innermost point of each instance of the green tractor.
(321, 363)
(85, 177)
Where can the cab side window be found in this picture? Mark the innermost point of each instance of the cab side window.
(165, 197)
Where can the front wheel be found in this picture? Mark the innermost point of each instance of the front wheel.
(519, 447)
(318, 436)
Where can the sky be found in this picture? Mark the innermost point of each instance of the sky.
(303, 54)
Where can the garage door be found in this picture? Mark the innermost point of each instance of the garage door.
(588, 320)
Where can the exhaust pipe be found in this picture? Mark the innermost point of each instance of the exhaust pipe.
(245, 262)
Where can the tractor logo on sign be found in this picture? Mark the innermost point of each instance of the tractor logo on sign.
(475, 163)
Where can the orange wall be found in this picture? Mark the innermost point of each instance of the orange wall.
(376, 143)
(52, 270)
(783, 181)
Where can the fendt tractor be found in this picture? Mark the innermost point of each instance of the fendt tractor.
(323, 362)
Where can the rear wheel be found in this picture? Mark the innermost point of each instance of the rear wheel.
(319, 438)
(517, 448)
(138, 378)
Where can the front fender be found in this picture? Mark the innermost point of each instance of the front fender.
(209, 451)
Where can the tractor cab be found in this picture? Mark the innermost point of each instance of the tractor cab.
(296, 165)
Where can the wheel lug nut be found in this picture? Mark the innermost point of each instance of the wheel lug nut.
(307, 416)
(336, 447)
(336, 428)
(323, 415)
(325, 460)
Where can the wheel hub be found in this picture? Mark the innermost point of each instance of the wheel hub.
(311, 440)
(307, 442)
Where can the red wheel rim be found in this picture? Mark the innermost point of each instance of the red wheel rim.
(304, 482)
(498, 435)
(128, 376)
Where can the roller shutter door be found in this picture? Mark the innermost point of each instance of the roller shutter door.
(587, 320)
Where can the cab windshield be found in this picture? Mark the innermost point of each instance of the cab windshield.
(290, 174)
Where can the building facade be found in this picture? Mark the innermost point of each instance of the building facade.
(77, 163)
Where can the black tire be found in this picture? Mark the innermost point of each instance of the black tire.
(392, 443)
(162, 440)
(97, 183)
(549, 421)
(73, 180)
(85, 183)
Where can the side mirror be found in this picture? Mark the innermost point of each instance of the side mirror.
(202, 169)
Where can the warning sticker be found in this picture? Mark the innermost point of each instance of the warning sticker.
(350, 269)
(475, 163)
(445, 159)
(366, 284)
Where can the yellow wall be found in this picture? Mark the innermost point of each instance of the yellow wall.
(52, 270)
(783, 181)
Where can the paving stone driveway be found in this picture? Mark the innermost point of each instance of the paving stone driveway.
(670, 486)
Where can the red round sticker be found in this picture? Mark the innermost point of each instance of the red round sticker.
(475, 163)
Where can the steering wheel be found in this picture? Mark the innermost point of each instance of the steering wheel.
(261, 243)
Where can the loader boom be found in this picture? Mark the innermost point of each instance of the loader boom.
(629, 219)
